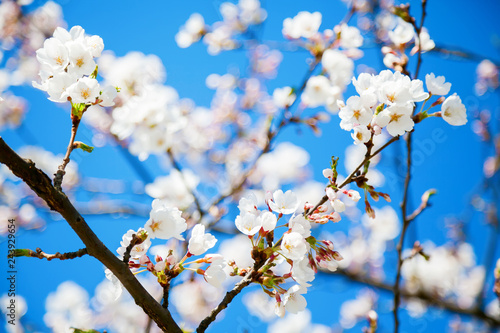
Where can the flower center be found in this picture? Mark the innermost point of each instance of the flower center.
(85, 93)
(395, 117)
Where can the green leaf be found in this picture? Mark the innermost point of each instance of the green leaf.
(83, 146)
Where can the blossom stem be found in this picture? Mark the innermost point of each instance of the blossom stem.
(60, 171)
(406, 223)
(350, 178)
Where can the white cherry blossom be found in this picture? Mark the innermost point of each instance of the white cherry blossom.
(165, 222)
(453, 111)
(215, 274)
(293, 300)
(284, 203)
(200, 242)
(294, 246)
(437, 85)
(248, 224)
(85, 90)
(304, 24)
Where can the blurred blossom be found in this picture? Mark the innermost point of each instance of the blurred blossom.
(357, 309)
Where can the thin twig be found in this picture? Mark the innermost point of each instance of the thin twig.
(42, 255)
(429, 299)
(60, 170)
(350, 178)
(133, 242)
(225, 302)
(406, 223)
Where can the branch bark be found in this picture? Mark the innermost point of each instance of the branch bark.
(41, 184)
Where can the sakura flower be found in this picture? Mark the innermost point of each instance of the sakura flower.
(304, 24)
(248, 224)
(107, 96)
(283, 97)
(200, 242)
(319, 91)
(117, 287)
(293, 300)
(165, 222)
(65, 36)
(328, 264)
(248, 204)
(284, 203)
(81, 60)
(301, 225)
(437, 85)
(354, 195)
(302, 272)
(426, 43)
(267, 220)
(350, 37)
(338, 205)
(95, 45)
(338, 66)
(402, 34)
(417, 91)
(397, 119)
(85, 90)
(361, 134)
(191, 32)
(57, 85)
(215, 274)
(356, 112)
(453, 111)
(54, 55)
(294, 246)
(138, 250)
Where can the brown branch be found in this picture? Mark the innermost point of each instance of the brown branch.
(225, 302)
(133, 242)
(41, 184)
(42, 255)
(430, 299)
(418, 30)
(350, 178)
(423, 205)
(406, 223)
(458, 52)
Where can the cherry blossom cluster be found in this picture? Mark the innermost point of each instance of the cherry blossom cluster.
(449, 271)
(335, 49)
(166, 223)
(293, 253)
(68, 69)
(387, 100)
(399, 37)
(236, 19)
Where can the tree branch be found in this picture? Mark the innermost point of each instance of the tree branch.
(41, 184)
(406, 223)
(422, 296)
(42, 255)
(225, 302)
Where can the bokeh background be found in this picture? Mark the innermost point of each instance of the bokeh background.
(454, 165)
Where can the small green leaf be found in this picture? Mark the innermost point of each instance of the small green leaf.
(83, 146)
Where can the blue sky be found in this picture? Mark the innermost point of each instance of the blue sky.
(452, 164)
